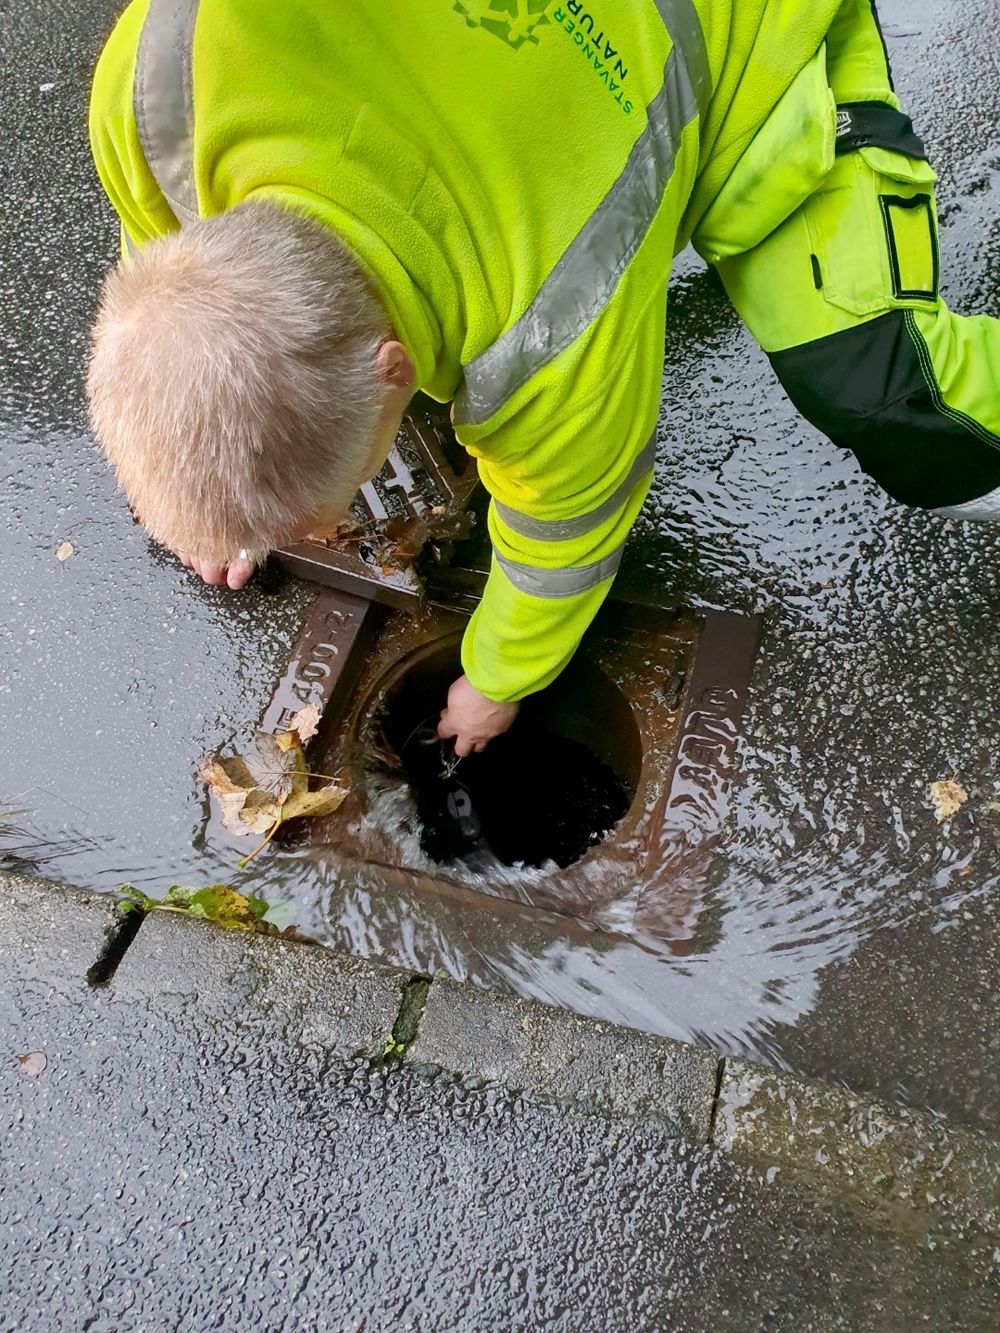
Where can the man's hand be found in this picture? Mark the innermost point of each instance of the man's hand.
(473, 719)
(218, 576)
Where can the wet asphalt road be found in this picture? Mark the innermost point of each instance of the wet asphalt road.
(192, 1162)
(852, 937)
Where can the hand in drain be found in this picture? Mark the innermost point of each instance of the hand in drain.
(532, 798)
(473, 720)
(457, 803)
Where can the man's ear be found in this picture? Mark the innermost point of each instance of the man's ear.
(394, 365)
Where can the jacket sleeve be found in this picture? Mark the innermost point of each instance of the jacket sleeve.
(568, 473)
(114, 138)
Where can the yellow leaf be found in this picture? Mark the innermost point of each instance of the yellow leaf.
(244, 809)
(313, 803)
(947, 798)
(258, 791)
(260, 814)
(289, 745)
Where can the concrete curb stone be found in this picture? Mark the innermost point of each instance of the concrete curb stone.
(43, 925)
(884, 1156)
(880, 1154)
(325, 999)
(594, 1066)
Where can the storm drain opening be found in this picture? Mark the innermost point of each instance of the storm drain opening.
(554, 786)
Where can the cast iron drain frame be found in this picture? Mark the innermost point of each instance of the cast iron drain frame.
(692, 691)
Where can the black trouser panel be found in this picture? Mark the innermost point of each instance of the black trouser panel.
(865, 389)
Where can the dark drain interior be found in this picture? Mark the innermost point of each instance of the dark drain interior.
(550, 789)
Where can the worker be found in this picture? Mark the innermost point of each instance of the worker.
(326, 207)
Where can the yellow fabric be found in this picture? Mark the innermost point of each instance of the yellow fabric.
(838, 235)
(784, 163)
(458, 153)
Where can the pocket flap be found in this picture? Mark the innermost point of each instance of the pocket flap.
(907, 170)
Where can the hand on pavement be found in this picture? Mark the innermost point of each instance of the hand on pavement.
(218, 576)
(473, 719)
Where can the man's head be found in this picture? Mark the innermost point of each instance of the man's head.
(243, 382)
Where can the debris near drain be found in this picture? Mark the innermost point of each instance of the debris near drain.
(214, 902)
(947, 798)
(268, 785)
(393, 544)
(306, 722)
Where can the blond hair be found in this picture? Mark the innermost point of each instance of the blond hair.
(233, 382)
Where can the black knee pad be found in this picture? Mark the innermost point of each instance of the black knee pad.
(867, 390)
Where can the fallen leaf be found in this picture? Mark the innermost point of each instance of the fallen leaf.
(64, 551)
(275, 764)
(133, 899)
(402, 539)
(219, 903)
(947, 797)
(32, 1063)
(306, 722)
(313, 803)
(243, 807)
(258, 791)
(212, 902)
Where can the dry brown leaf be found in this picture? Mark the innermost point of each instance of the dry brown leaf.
(258, 791)
(947, 797)
(243, 807)
(305, 722)
(64, 551)
(275, 765)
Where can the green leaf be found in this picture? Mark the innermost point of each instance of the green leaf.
(224, 906)
(209, 902)
(133, 899)
(180, 895)
(258, 906)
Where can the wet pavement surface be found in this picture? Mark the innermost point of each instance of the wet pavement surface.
(847, 935)
(192, 1161)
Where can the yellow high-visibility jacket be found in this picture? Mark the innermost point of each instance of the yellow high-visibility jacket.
(515, 177)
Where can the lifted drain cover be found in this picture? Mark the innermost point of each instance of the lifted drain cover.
(402, 521)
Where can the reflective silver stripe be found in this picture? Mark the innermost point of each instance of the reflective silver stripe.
(565, 529)
(986, 509)
(559, 582)
(684, 26)
(163, 99)
(585, 278)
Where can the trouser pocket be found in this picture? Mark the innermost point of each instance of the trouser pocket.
(872, 230)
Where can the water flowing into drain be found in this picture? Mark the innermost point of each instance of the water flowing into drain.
(533, 797)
